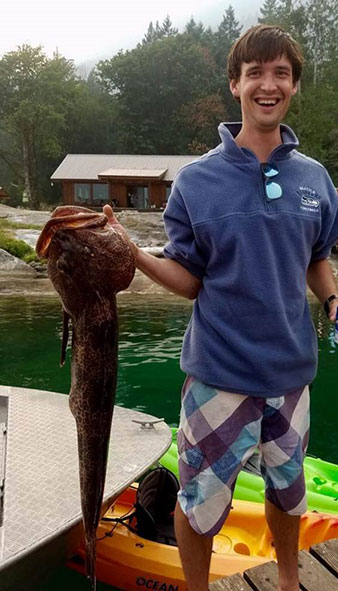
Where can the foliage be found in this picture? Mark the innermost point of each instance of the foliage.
(165, 76)
(17, 248)
(165, 96)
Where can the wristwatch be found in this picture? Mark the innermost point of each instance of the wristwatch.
(327, 303)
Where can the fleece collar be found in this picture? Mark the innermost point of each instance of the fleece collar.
(232, 151)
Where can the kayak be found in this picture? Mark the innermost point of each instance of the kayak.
(130, 562)
(321, 481)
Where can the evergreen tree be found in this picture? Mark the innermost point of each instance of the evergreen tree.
(167, 29)
(269, 12)
(228, 31)
(195, 31)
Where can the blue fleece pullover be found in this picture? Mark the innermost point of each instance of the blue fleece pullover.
(250, 330)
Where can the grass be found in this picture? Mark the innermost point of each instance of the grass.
(17, 248)
(6, 224)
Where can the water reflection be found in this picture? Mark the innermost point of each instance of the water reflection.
(151, 332)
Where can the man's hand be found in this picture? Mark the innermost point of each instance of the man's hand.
(333, 305)
(113, 221)
(322, 283)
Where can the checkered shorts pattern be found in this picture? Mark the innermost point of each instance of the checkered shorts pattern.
(218, 433)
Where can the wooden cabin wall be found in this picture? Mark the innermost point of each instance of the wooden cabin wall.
(119, 192)
(68, 192)
(158, 196)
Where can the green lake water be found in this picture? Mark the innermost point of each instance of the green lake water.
(151, 332)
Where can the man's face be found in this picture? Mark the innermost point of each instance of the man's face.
(265, 90)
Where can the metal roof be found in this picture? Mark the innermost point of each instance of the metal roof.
(133, 172)
(89, 166)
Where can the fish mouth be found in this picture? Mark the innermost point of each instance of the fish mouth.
(70, 221)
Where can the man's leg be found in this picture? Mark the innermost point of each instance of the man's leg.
(195, 552)
(285, 433)
(285, 532)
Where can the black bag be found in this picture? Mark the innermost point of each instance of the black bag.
(155, 502)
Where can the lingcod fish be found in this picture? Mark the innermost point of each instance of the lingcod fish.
(89, 261)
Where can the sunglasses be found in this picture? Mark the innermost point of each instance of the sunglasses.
(272, 190)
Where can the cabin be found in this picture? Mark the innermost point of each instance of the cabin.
(139, 182)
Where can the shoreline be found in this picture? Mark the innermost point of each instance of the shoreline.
(12, 286)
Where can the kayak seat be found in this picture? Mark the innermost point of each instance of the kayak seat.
(155, 502)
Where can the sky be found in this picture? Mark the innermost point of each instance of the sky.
(90, 30)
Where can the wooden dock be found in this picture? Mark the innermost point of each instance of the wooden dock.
(318, 571)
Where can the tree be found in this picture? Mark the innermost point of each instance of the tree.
(159, 32)
(34, 92)
(149, 86)
(167, 29)
(152, 34)
(228, 31)
(269, 12)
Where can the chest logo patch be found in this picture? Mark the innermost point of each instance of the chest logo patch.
(309, 199)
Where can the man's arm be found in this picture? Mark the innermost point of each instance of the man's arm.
(169, 274)
(323, 284)
(166, 272)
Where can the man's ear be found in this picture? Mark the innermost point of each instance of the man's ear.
(295, 88)
(234, 88)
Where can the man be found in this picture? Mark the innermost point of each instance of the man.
(249, 223)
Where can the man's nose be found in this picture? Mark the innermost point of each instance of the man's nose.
(268, 83)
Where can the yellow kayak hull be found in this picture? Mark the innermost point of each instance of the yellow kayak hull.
(129, 562)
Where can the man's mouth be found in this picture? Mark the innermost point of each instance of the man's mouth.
(267, 102)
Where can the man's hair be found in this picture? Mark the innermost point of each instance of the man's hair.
(264, 43)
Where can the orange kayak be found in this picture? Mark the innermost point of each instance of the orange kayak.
(129, 562)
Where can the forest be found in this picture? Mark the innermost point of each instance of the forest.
(165, 96)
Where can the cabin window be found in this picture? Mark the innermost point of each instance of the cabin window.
(167, 192)
(82, 192)
(100, 193)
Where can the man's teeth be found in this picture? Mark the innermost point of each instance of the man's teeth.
(267, 101)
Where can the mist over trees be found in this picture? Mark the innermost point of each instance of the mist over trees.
(165, 96)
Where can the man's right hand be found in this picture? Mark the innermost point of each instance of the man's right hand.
(166, 272)
(113, 221)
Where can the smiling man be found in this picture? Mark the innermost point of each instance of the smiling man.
(249, 224)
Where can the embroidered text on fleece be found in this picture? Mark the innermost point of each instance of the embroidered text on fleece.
(250, 330)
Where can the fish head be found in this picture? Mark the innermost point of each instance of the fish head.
(88, 260)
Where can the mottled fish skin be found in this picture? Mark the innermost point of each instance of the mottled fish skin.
(88, 263)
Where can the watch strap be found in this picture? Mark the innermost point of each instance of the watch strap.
(327, 303)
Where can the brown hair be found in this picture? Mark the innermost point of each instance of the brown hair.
(264, 43)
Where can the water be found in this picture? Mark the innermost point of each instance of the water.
(151, 331)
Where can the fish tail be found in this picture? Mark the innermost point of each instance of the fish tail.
(91, 561)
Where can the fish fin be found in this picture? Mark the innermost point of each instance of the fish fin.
(65, 335)
(91, 561)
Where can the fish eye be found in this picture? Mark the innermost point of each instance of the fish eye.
(62, 266)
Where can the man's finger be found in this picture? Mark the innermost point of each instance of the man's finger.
(333, 312)
(108, 211)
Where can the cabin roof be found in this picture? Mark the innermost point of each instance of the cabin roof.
(98, 166)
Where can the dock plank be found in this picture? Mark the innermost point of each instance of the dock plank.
(313, 575)
(263, 577)
(232, 583)
(327, 554)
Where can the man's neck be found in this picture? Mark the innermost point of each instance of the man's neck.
(259, 142)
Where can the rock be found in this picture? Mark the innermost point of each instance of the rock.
(10, 264)
(28, 236)
(24, 216)
(157, 251)
(41, 268)
(146, 229)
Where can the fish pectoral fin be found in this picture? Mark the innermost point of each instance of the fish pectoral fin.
(65, 335)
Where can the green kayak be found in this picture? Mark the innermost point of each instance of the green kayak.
(321, 481)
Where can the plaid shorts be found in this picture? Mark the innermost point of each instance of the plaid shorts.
(219, 431)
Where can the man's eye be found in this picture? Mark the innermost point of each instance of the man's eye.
(254, 74)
